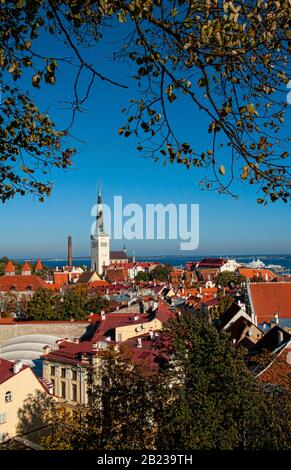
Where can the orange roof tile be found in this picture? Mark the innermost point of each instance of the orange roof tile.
(269, 298)
(101, 283)
(21, 283)
(10, 267)
(38, 266)
(26, 267)
(266, 274)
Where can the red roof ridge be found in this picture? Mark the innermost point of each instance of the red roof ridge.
(38, 266)
(26, 267)
(9, 267)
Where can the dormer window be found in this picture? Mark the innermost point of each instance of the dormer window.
(13, 288)
(8, 397)
(29, 288)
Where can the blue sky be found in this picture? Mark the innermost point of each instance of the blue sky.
(30, 229)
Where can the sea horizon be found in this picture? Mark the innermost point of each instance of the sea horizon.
(283, 259)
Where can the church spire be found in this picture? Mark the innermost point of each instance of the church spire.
(99, 217)
(100, 244)
(99, 194)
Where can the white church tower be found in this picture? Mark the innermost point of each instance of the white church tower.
(100, 249)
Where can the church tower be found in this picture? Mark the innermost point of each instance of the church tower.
(100, 251)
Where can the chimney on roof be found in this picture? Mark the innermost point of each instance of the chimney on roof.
(17, 366)
(152, 335)
(276, 318)
(280, 336)
(70, 251)
(47, 349)
(139, 343)
(103, 316)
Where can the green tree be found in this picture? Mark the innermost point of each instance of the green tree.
(120, 411)
(227, 59)
(43, 306)
(215, 402)
(97, 303)
(161, 273)
(142, 276)
(3, 261)
(224, 302)
(229, 279)
(74, 304)
(8, 304)
(204, 397)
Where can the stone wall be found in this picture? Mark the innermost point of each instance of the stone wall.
(61, 329)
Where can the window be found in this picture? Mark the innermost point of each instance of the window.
(63, 373)
(74, 376)
(8, 397)
(3, 418)
(3, 436)
(74, 392)
(53, 370)
(53, 384)
(63, 389)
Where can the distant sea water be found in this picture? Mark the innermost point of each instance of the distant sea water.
(179, 260)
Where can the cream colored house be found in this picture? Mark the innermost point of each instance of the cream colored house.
(17, 384)
(123, 333)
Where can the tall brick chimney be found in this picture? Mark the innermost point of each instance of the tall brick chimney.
(70, 251)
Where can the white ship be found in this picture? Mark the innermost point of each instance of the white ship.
(256, 264)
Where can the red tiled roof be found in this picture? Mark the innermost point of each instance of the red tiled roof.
(118, 255)
(255, 273)
(164, 313)
(6, 370)
(146, 264)
(21, 283)
(211, 262)
(100, 283)
(147, 354)
(10, 267)
(115, 320)
(271, 298)
(278, 372)
(70, 352)
(7, 321)
(38, 266)
(26, 267)
(60, 278)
